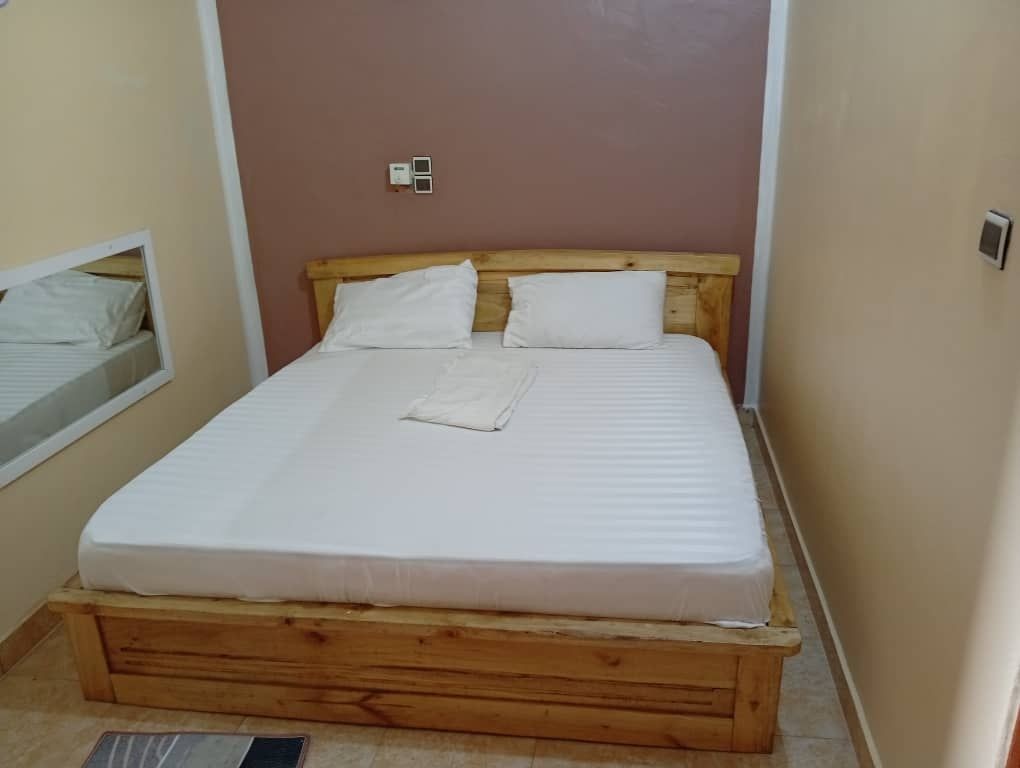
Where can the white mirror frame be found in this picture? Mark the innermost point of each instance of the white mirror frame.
(31, 458)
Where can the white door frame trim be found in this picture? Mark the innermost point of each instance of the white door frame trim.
(772, 113)
(230, 176)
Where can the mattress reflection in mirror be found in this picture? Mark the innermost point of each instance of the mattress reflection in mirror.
(71, 342)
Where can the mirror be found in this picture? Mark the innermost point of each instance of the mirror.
(82, 337)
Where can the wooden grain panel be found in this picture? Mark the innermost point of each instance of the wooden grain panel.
(553, 676)
(757, 703)
(90, 655)
(492, 308)
(398, 650)
(545, 260)
(780, 608)
(324, 292)
(676, 636)
(128, 264)
(712, 320)
(496, 281)
(679, 311)
(475, 684)
(410, 710)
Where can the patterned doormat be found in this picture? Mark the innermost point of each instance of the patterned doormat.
(197, 750)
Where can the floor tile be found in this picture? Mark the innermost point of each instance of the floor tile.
(766, 495)
(788, 753)
(781, 548)
(51, 659)
(129, 718)
(574, 754)
(754, 451)
(811, 713)
(808, 753)
(19, 644)
(809, 669)
(46, 723)
(402, 747)
(332, 745)
(757, 458)
(798, 597)
(774, 522)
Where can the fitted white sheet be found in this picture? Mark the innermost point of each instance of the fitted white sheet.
(46, 387)
(621, 487)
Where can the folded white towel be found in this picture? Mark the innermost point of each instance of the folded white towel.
(476, 392)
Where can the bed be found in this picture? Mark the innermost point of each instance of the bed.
(598, 571)
(46, 387)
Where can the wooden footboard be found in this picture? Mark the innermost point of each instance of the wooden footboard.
(631, 682)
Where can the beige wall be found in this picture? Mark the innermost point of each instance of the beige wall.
(892, 356)
(106, 129)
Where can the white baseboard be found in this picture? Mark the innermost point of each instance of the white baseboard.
(848, 676)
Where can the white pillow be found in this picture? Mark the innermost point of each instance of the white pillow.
(72, 307)
(425, 308)
(595, 310)
(132, 322)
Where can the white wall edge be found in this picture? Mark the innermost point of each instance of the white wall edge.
(854, 695)
(230, 176)
(772, 113)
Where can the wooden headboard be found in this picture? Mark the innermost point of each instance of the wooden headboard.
(699, 286)
(121, 266)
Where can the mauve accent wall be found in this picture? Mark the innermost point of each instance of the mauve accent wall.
(551, 123)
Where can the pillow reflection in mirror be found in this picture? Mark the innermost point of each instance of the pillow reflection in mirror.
(74, 308)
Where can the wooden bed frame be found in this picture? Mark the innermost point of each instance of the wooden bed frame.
(659, 683)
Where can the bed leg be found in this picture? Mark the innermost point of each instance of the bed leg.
(90, 656)
(757, 702)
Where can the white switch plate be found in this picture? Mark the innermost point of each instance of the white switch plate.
(995, 238)
(400, 174)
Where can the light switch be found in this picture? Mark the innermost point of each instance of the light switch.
(421, 165)
(995, 238)
(400, 174)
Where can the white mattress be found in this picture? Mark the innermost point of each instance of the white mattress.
(46, 387)
(621, 487)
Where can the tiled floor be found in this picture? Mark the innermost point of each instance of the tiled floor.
(44, 721)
